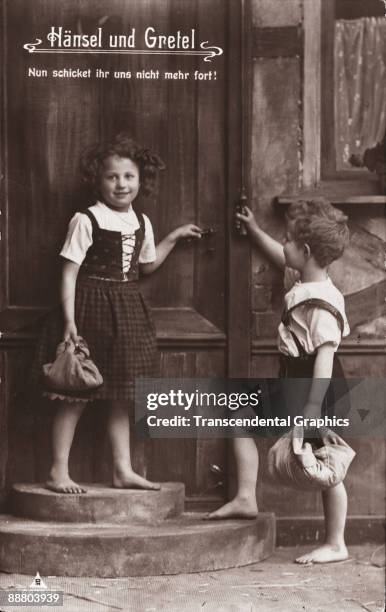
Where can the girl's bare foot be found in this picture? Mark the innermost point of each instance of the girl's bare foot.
(324, 554)
(239, 507)
(64, 484)
(131, 480)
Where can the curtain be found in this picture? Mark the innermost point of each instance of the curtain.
(360, 86)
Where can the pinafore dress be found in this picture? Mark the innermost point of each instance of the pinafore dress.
(111, 315)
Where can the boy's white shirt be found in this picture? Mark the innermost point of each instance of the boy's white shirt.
(79, 235)
(312, 326)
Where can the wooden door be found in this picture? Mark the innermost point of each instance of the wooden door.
(194, 123)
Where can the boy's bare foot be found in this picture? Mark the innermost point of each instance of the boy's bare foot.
(237, 508)
(64, 485)
(131, 480)
(324, 554)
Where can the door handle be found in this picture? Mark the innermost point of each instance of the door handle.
(208, 231)
(208, 236)
(239, 226)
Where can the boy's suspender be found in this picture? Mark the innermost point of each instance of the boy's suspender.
(320, 304)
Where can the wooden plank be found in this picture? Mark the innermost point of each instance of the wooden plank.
(356, 201)
(210, 254)
(46, 132)
(3, 160)
(266, 13)
(355, 9)
(328, 154)
(184, 323)
(286, 41)
(311, 93)
(238, 291)
(148, 110)
(214, 451)
(175, 283)
(174, 327)
(174, 459)
(23, 412)
(362, 346)
(189, 460)
(3, 426)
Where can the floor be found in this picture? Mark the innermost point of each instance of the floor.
(277, 584)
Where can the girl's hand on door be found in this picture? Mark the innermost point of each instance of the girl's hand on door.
(187, 231)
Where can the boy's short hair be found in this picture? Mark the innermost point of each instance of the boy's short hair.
(323, 228)
(315, 206)
(123, 145)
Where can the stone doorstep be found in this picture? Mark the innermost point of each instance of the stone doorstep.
(101, 504)
(181, 545)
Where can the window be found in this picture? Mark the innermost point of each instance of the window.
(353, 83)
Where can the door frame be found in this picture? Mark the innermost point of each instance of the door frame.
(238, 263)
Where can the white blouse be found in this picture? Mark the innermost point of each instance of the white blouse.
(79, 235)
(313, 326)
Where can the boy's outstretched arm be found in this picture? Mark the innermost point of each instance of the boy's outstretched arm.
(168, 243)
(271, 247)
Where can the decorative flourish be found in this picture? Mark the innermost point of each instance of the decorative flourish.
(212, 51)
(31, 47)
(208, 52)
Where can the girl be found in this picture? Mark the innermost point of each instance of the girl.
(309, 335)
(105, 248)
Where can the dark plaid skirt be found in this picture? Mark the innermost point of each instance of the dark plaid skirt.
(115, 321)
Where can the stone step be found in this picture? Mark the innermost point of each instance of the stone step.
(101, 504)
(182, 545)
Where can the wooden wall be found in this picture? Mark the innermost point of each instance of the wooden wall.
(47, 126)
(281, 134)
(25, 429)
(46, 123)
(51, 120)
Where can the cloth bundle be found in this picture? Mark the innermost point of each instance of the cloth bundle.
(305, 467)
(73, 370)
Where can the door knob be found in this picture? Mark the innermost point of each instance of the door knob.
(240, 208)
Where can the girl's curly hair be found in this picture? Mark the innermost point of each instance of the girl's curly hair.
(323, 228)
(123, 145)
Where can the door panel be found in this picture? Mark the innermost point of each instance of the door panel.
(194, 126)
(50, 121)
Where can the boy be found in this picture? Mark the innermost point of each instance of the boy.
(308, 338)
